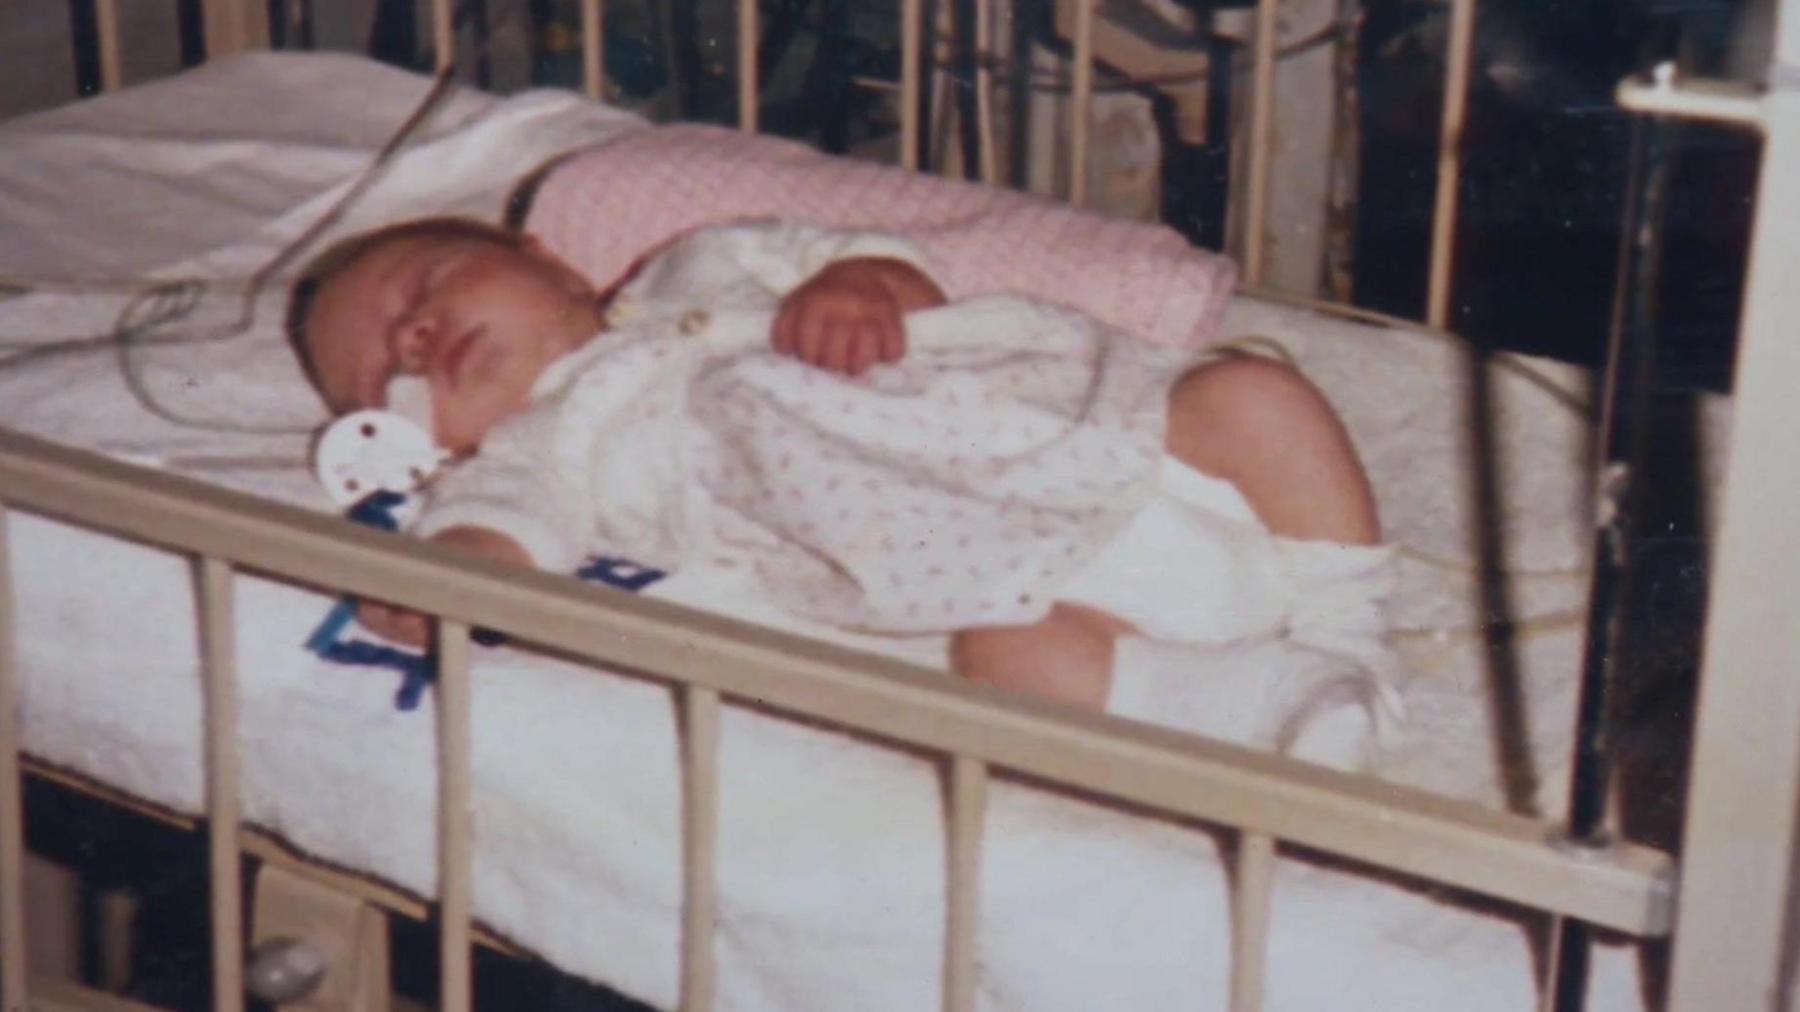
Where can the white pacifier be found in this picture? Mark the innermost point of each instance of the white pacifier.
(389, 450)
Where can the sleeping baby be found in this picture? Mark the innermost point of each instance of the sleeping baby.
(804, 403)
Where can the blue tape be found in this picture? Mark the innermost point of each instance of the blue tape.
(418, 670)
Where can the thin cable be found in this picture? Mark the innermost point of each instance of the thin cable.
(157, 305)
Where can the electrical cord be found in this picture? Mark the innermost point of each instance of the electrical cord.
(157, 305)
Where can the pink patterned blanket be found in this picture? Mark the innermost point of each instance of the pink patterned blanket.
(604, 208)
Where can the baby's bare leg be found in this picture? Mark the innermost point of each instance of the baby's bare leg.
(1067, 655)
(1251, 421)
(1263, 427)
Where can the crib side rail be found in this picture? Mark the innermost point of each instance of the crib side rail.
(1412, 832)
(1739, 897)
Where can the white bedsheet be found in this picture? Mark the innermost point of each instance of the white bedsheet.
(831, 851)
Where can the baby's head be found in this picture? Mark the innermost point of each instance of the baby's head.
(476, 311)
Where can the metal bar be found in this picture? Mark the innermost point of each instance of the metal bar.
(968, 809)
(1081, 100)
(219, 651)
(443, 34)
(984, 90)
(1733, 103)
(455, 817)
(700, 840)
(933, 119)
(12, 809)
(1738, 873)
(1250, 920)
(106, 23)
(593, 49)
(747, 30)
(911, 31)
(1624, 421)
(1449, 163)
(1262, 116)
(1432, 837)
(232, 26)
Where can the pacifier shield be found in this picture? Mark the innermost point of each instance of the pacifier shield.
(373, 451)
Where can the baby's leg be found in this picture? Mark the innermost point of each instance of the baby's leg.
(1263, 427)
(1067, 655)
(1251, 421)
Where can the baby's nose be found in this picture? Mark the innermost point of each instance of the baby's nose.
(413, 336)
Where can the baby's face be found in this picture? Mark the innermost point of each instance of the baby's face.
(479, 320)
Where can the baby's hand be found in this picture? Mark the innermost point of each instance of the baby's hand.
(848, 316)
(403, 625)
(394, 623)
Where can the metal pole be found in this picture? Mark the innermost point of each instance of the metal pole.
(1739, 911)
(593, 49)
(12, 808)
(1630, 369)
(1081, 100)
(1449, 162)
(1262, 118)
(912, 19)
(223, 809)
(748, 85)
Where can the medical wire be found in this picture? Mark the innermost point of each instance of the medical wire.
(156, 304)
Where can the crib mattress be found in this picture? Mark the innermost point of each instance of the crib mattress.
(831, 870)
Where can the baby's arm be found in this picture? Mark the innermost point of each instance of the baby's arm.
(841, 294)
(848, 316)
(403, 625)
(504, 504)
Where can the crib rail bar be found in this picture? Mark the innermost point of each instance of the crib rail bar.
(233, 26)
(443, 34)
(1081, 100)
(1738, 889)
(968, 809)
(1733, 103)
(747, 78)
(106, 28)
(1435, 838)
(593, 49)
(1250, 920)
(1262, 117)
(218, 628)
(12, 812)
(1449, 162)
(984, 91)
(455, 815)
(700, 846)
(912, 30)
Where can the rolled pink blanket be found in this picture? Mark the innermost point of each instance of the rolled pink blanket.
(604, 208)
